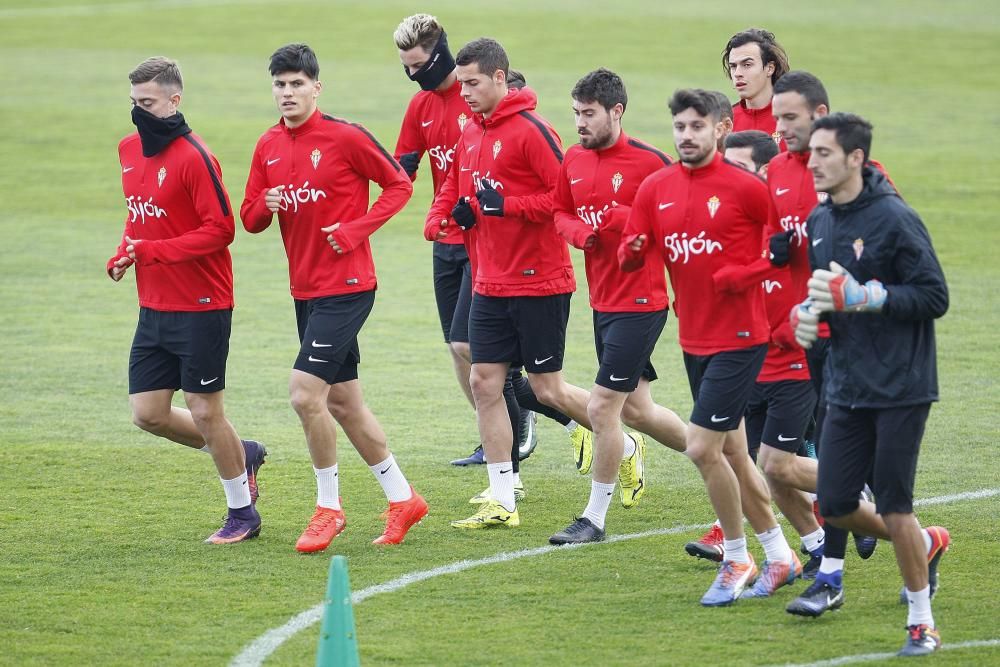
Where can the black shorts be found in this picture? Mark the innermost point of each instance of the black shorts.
(779, 414)
(625, 342)
(881, 444)
(180, 350)
(453, 290)
(721, 384)
(527, 331)
(328, 331)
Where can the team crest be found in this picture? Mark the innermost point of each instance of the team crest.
(616, 180)
(713, 205)
(315, 157)
(462, 120)
(859, 247)
(776, 136)
(496, 149)
(161, 176)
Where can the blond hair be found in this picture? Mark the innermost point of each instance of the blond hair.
(160, 69)
(421, 30)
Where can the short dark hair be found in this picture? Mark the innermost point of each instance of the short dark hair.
(770, 50)
(702, 101)
(159, 69)
(806, 85)
(725, 106)
(763, 148)
(852, 131)
(602, 86)
(295, 58)
(487, 53)
(515, 79)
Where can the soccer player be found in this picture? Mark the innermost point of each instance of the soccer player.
(751, 149)
(727, 119)
(754, 62)
(313, 171)
(499, 191)
(177, 230)
(598, 180)
(703, 216)
(878, 284)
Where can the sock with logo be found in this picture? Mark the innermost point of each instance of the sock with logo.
(813, 542)
(629, 445)
(237, 491)
(392, 480)
(327, 487)
(775, 546)
(600, 500)
(502, 484)
(517, 478)
(736, 550)
(919, 607)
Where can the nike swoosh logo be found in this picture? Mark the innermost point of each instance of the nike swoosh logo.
(717, 420)
(208, 382)
(504, 472)
(782, 438)
(426, 123)
(126, 170)
(469, 148)
(382, 472)
(270, 162)
(318, 361)
(575, 181)
(614, 379)
(666, 206)
(780, 191)
(315, 344)
(466, 168)
(816, 242)
(490, 208)
(505, 519)
(539, 362)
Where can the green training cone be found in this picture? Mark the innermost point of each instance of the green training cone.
(338, 641)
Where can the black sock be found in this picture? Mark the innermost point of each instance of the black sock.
(514, 413)
(834, 541)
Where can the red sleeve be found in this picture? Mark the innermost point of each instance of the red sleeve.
(544, 155)
(256, 216)
(568, 224)
(120, 252)
(444, 202)
(372, 161)
(738, 278)
(203, 178)
(640, 221)
(410, 140)
(615, 219)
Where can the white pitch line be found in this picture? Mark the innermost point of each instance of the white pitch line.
(868, 657)
(255, 653)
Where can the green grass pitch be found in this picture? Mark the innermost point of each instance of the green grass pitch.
(101, 561)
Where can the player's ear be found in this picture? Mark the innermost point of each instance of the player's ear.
(317, 89)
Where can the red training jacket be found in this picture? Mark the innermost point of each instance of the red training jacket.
(704, 222)
(325, 165)
(757, 119)
(179, 209)
(593, 198)
(519, 154)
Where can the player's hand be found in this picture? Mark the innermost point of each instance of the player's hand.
(329, 237)
(490, 201)
(837, 290)
(463, 215)
(779, 246)
(590, 243)
(119, 268)
(130, 248)
(444, 231)
(409, 162)
(637, 244)
(804, 319)
(272, 198)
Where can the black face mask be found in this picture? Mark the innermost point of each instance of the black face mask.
(437, 68)
(156, 133)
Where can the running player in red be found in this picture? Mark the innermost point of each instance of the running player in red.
(177, 229)
(313, 171)
(597, 182)
(703, 217)
(754, 62)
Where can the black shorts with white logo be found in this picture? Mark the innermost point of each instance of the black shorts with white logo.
(721, 384)
(877, 444)
(625, 342)
(180, 350)
(453, 290)
(527, 331)
(779, 413)
(328, 330)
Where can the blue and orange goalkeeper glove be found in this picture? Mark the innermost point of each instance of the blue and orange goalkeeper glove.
(804, 319)
(837, 290)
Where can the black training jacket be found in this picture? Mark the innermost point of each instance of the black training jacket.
(887, 359)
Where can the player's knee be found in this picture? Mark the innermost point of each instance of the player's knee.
(461, 351)
(305, 402)
(703, 454)
(340, 409)
(153, 421)
(776, 470)
(485, 388)
(548, 393)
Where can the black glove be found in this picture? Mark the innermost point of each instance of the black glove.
(463, 214)
(779, 245)
(409, 162)
(490, 201)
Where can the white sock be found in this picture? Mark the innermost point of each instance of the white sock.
(206, 450)
(830, 565)
(327, 487)
(571, 426)
(812, 497)
(717, 523)
(927, 540)
(600, 500)
(502, 484)
(736, 550)
(775, 546)
(629, 445)
(237, 491)
(920, 607)
(517, 479)
(814, 540)
(392, 480)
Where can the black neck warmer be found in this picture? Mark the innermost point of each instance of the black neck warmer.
(157, 133)
(437, 68)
